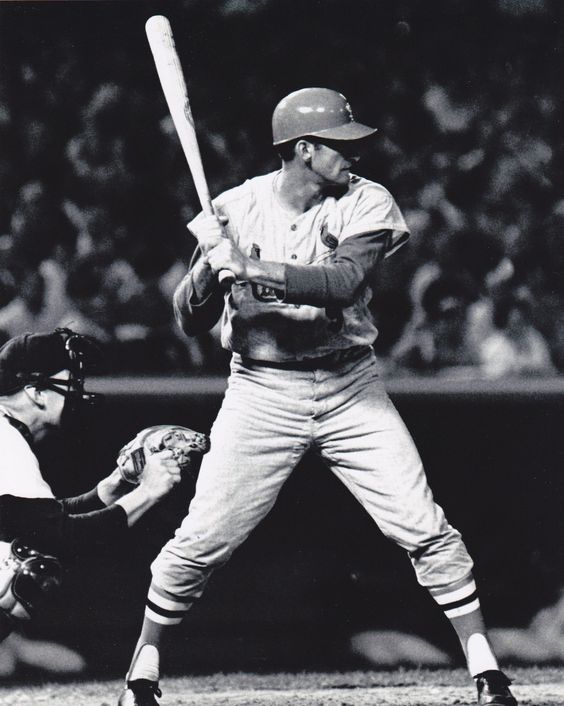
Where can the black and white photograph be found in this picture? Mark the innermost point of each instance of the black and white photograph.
(282, 352)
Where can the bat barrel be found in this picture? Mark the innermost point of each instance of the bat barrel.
(171, 76)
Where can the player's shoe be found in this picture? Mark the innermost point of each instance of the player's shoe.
(493, 689)
(140, 692)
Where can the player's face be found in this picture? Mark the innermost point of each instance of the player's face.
(55, 402)
(331, 162)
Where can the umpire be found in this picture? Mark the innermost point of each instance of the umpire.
(304, 244)
(41, 387)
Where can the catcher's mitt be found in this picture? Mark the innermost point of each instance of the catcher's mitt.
(27, 577)
(182, 441)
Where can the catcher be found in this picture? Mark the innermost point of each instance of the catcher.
(42, 387)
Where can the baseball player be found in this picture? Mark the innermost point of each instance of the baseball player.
(304, 244)
(41, 383)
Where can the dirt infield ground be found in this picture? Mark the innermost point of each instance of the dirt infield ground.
(533, 687)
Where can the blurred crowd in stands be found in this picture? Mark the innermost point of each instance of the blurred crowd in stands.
(95, 195)
(85, 240)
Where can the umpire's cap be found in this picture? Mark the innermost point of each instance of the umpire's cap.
(33, 357)
(316, 112)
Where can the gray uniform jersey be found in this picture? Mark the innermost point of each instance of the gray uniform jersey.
(264, 324)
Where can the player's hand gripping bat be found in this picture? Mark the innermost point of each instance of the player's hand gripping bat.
(171, 76)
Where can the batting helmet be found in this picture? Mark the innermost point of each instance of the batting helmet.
(316, 112)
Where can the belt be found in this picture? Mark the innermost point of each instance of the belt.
(326, 361)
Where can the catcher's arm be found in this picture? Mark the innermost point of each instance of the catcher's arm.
(160, 474)
(106, 493)
(186, 445)
(69, 526)
(65, 529)
(174, 448)
(110, 489)
(148, 467)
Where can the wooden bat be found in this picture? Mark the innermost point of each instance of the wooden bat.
(171, 76)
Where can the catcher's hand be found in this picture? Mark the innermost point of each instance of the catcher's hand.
(182, 441)
(27, 577)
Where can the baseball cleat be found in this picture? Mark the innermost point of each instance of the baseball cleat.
(493, 689)
(140, 692)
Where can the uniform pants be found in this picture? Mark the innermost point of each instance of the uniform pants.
(268, 419)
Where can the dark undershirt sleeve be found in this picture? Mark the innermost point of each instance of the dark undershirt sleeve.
(341, 280)
(87, 502)
(49, 528)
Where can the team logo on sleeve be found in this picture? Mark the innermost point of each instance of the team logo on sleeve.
(329, 240)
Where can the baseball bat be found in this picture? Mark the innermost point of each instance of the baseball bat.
(171, 76)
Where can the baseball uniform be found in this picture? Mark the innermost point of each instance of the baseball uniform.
(305, 242)
(304, 378)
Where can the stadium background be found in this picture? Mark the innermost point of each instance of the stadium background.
(94, 198)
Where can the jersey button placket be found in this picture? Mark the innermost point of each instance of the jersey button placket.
(293, 256)
(293, 242)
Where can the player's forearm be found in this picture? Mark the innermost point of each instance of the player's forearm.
(136, 504)
(197, 286)
(313, 285)
(198, 300)
(113, 488)
(49, 526)
(87, 502)
(323, 285)
(338, 282)
(203, 282)
(268, 274)
(104, 494)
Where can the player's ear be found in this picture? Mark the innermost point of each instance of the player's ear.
(35, 395)
(304, 149)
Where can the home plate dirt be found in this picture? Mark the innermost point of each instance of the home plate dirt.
(534, 687)
(540, 695)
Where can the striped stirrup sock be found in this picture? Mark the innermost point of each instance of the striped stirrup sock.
(163, 608)
(457, 599)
